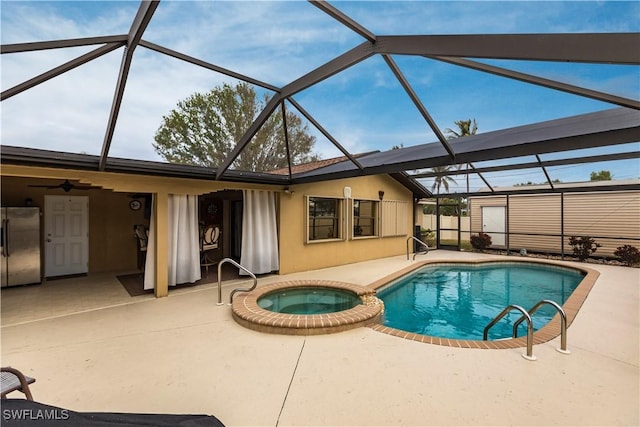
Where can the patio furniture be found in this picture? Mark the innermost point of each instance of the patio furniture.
(209, 237)
(14, 380)
(141, 233)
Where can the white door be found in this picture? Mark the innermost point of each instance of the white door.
(66, 223)
(494, 224)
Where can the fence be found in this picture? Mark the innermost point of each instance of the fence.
(448, 226)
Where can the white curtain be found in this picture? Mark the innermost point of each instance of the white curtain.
(259, 232)
(183, 242)
(184, 246)
(150, 263)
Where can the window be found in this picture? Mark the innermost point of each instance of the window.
(365, 218)
(324, 218)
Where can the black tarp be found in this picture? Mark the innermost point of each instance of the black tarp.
(26, 413)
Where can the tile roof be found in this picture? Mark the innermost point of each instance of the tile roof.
(306, 167)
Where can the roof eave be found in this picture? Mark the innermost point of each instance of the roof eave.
(54, 159)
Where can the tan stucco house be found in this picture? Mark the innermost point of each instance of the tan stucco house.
(317, 224)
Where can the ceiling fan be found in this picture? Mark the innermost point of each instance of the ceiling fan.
(66, 186)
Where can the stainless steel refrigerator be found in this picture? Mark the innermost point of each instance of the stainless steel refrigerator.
(20, 241)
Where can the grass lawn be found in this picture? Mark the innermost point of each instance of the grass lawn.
(465, 245)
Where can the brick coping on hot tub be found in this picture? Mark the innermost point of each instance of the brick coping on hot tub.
(548, 332)
(247, 312)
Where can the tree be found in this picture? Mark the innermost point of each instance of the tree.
(601, 176)
(524, 184)
(204, 128)
(448, 207)
(465, 128)
(442, 179)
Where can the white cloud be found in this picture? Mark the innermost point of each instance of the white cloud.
(276, 42)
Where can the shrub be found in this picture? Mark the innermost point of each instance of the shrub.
(583, 246)
(628, 254)
(427, 232)
(480, 241)
(427, 235)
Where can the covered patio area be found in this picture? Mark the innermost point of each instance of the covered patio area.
(185, 354)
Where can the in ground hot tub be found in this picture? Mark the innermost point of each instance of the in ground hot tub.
(307, 307)
(309, 300)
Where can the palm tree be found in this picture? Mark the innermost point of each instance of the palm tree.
(442, 179)
(465, 128)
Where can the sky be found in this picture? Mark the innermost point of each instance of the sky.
(364, 107)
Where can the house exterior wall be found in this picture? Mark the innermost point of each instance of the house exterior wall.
(296, 255)
(601, 215)
(112, 246)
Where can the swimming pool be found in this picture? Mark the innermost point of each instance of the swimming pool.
(457, 300)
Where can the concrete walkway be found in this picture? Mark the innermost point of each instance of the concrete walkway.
(185, 354)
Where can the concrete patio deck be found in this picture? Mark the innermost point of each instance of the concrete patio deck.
(91, 347)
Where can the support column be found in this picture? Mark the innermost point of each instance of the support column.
(161, 217)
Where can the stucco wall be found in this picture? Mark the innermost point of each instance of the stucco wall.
(296, 255)
(112, 247)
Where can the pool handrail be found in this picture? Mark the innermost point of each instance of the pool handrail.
(419, 241)
(563, 323)
(233, 292)
(525, 314)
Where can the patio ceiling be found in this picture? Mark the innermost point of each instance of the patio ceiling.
(570, 136)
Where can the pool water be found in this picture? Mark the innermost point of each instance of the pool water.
(309, 300)
(459, 300)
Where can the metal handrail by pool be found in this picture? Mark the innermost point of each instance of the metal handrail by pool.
(525, 314)
(253, 276)
(419, 241)
(563, 323)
